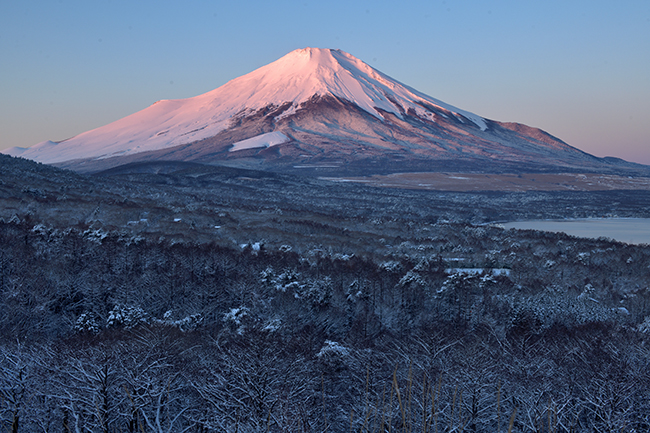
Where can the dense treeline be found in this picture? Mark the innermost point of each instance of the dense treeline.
(104, 331)
(156, 380)
(204, 299)
(50, 279)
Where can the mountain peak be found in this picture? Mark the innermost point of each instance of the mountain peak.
(312, 106)
(306, 72)
(293, 79)
(311, 52)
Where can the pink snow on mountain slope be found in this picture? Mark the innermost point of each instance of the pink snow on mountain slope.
(294, 78)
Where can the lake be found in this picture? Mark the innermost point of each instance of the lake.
(629, 230)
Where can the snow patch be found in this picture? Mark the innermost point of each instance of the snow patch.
(264, 140)
(332, 349)
(478, 271)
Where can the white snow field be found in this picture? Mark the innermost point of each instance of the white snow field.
(264, 140)
(295, 78)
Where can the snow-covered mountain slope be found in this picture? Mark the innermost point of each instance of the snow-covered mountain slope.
(294, 78)
(314, 106)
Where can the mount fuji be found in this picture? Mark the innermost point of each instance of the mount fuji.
(317, 109)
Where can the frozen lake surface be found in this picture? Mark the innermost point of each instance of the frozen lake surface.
(630, 230)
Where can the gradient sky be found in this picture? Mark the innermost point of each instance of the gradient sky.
(578, 69)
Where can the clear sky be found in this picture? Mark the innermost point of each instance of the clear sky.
(579, 69)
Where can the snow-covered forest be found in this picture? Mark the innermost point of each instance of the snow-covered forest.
(187, 299)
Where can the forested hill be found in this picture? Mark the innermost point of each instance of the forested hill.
(193, 298)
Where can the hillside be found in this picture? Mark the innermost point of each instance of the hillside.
(180, 296)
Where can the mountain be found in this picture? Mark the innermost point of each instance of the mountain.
(318, 108)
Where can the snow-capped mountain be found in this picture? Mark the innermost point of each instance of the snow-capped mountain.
(312, 106)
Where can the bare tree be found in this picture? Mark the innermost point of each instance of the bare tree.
(14, 387)
(156, 396)
(86, 388)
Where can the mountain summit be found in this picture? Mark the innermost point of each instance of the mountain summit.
(312, 108)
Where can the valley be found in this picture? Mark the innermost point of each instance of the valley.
(441, 181)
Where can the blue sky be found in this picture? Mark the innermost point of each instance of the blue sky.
(578, 69)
